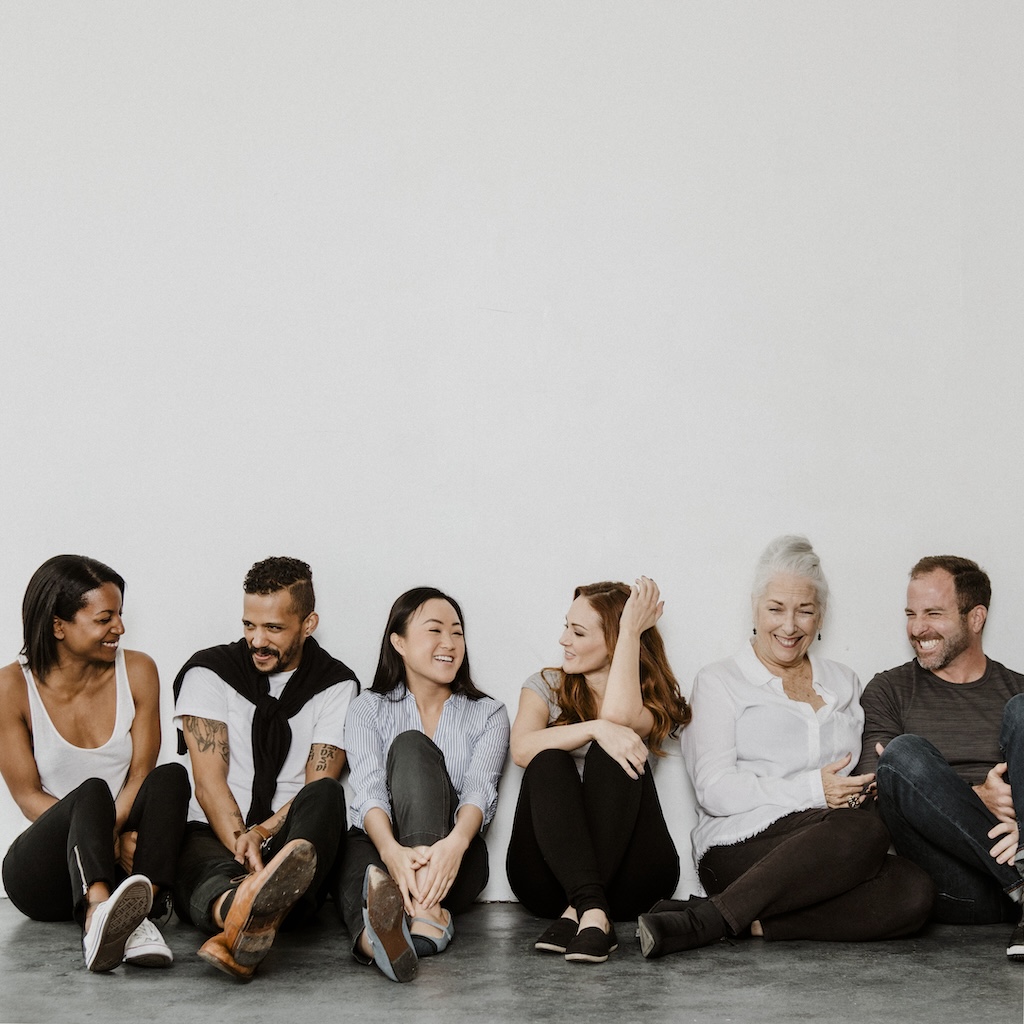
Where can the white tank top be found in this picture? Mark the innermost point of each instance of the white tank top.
(62, 766)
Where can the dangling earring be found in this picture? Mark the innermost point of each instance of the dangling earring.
(819, 636)
(755, 631)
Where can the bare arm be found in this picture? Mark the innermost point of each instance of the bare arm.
(17, 762)
(208, 749)
(531, 735)
(145, 731)
(324, 761)
(623, 701)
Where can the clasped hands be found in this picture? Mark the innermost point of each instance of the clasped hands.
(425, 873)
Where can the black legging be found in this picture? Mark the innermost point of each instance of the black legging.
(596, 843)
(819, 874)
(70, 846)
(423, 803)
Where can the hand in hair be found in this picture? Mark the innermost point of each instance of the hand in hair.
(643, 607)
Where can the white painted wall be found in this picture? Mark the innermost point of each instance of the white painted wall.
(506, 298)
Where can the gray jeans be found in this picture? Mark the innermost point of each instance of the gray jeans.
(423, 803)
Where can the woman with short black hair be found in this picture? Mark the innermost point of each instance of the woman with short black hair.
(79, 738)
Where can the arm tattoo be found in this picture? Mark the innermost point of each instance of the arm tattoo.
(208, 734)
(323, 754)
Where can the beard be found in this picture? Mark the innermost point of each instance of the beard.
(950, 648)
(281, 658)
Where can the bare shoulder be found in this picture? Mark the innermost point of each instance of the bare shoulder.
(142, 674)
(13, 692)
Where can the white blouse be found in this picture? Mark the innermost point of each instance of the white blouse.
(754, 755)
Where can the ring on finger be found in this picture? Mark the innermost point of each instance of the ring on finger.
(853, 801)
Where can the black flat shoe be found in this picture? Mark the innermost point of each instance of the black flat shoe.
(557, 936)
(699, 923)
(591, 946)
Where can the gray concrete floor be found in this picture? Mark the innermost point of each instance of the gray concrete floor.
(491, 973)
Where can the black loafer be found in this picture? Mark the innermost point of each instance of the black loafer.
(557, 936)
(591, 946)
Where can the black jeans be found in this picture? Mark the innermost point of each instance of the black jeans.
(70, 846)
(423, 803)
(596, 843)
(939, 822)
(207, 868)
(819, 874)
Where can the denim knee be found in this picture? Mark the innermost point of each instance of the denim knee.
(1012, 732)
(410, 745)
(905, 757)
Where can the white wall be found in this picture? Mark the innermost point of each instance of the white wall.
(506, 298)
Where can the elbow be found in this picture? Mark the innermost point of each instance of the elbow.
(617, 717)
(520, 756)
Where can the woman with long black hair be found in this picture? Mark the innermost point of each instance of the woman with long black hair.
(426, 749)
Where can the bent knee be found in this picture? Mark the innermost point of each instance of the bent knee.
(1013, 712)
(908, 756)
(326, 791)
(545, 762)
(413, 744)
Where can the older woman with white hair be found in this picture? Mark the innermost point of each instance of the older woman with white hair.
(787, 844)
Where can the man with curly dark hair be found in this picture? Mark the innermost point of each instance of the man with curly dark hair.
(263, 722)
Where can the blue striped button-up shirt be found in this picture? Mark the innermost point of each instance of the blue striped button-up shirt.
(472, 735)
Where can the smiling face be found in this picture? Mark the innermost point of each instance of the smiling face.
(786, 617)
(95, 631)
(584, 647)
(274, 631)
(937, 630)
(433, 645)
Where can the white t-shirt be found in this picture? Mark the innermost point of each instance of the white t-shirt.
(321, 720)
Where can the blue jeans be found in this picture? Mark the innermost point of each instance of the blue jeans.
(937, 820)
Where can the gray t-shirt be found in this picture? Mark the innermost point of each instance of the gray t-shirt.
(962, 720)
(545, 684)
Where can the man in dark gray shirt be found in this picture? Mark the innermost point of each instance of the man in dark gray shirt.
(944, 734)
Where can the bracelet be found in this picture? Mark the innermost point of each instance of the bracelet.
(258, 829)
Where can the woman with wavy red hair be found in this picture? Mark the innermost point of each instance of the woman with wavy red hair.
(589, 843)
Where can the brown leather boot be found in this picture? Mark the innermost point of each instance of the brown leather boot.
(259, 906)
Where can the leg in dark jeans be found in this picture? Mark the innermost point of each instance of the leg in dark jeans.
(207, 869)
(1011, 741)
(50, 866)
(423, 803)
(596, 843)
(939, 822)
(818, 874)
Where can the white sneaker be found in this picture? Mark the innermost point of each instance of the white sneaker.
(146, 947)
(114, 920)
